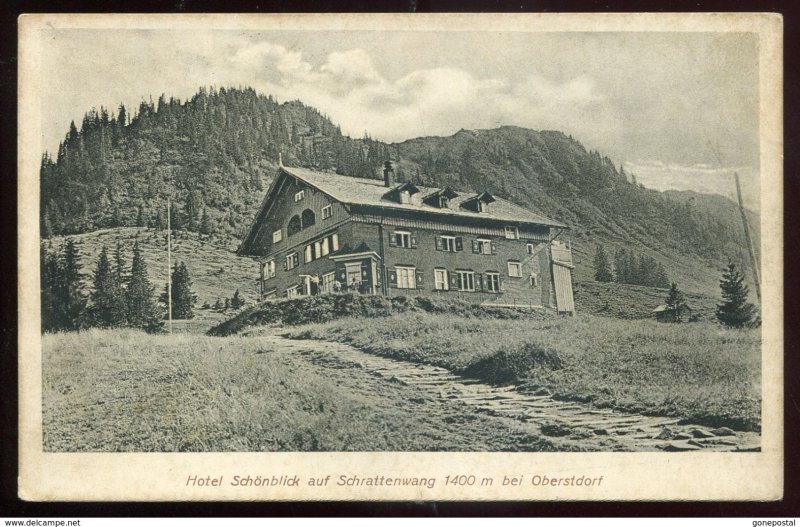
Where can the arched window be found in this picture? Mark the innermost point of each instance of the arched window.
(308, 218)
(294, 225)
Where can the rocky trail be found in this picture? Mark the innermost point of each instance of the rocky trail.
(563, 421)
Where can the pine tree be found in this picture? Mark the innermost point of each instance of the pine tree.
(108, 304)
(205, 223)
(236, 300)
(661, 278)
(734, 311)
(142, 310)
(602, 268)
(183, 299)
(175, 218)
(48, 266)
(676, 302)
(140, 221)
(69, 303)
(620, 266)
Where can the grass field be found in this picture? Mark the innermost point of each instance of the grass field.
(697, 371)
(215, 270)
(123, 390)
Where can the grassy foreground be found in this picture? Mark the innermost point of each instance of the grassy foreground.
(123, 390)
(699, 371)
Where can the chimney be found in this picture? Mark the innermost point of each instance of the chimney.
(388, 174)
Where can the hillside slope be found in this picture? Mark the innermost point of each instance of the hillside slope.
(215, 155)
(216, 272)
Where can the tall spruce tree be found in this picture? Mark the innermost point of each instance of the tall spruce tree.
(734, 311)
(602, 267)
(676, 302)
(183, 299)
(48, 266)
(142, 309)
(69, 303)
(108, 303)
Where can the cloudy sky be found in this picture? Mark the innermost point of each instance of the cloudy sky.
(680, 110)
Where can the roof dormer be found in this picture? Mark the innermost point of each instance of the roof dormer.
(441, 198)
(403, 194)
(479, 202)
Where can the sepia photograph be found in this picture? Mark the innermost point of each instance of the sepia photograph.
(400, 257)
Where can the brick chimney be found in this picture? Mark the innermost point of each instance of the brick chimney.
(388, 174)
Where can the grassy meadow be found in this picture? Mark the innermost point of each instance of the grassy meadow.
(699, 371)
(124, 390)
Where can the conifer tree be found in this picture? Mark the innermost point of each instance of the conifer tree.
(108, 304)
(602, 268)
(140, 221)
(183, 299)
(620, 266)
(205, 223)
(142, 310)
(48, 265)
(734, 311)
(236, 300)
(676, 302)
(69, 303)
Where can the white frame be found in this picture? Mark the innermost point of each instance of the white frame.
(493, 281)
(327, 212)
(299, 195)
(511, 232)
(515, 265)
(445, 281)
(410, 274)
(277, 236)
(462, 281)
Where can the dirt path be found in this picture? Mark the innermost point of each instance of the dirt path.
(571, 425)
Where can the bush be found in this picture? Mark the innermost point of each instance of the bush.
(326, 308)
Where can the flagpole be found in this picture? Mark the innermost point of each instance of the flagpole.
(749, 240)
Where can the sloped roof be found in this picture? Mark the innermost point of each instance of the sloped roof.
(370, 192)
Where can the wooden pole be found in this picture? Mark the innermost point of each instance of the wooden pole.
(754, 263)
(169, 266)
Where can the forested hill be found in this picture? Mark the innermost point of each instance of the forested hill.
(215, 154)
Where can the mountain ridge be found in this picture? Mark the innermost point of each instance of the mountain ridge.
(215, 154)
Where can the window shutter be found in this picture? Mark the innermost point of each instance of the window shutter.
(392, 240)
(500, 283)
(475, 246)
(392, 278)
(479, 282)
(413, 242)
(420, 279)
(494, 248)
(459, 244)
(454, 280)
(439, 243)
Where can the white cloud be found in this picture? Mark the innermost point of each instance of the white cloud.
(433, 101)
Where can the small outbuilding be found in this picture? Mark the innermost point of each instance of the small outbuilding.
(664, 313)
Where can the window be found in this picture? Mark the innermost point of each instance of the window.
(334, 242)
(294, 225)
(324, 246)
(440, 280)
(299, 195)
(534, 279)
(327, 282)
(269, 269)
(406, 277)
(402, 239)
(512, 233)
(482, 206)
(449, 243)
(515, 269)
(482, 246)
(292, 261)
(327, 212)
(530, 247)
(466, 280)
(309, 253)
(493, 282)
(277, 236)
(308, 219)
(292, 292)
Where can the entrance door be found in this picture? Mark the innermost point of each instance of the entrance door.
(353, 275)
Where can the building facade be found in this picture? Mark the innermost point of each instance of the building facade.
(318, 233)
